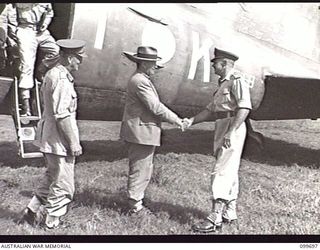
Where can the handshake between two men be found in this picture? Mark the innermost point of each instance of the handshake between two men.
(185, 123)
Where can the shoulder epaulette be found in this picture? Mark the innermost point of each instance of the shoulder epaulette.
(235, 76)
(70, 78)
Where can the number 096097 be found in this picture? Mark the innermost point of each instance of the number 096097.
(309, 246)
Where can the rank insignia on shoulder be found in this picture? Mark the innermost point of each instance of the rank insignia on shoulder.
(235, 75)
(70, 78)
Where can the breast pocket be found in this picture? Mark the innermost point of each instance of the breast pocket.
(74, 100)
(226, 95)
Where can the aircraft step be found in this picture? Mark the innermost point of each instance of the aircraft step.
(32, 155)
(26, 125)
(28, 119)
(27, 133)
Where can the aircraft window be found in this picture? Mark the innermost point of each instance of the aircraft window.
(148, 17)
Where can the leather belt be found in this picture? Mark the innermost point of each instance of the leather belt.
(224, 114)
(28, 26)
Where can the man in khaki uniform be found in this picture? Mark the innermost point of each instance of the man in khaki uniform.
(141, 124)
(32, 21)
(57, 136)
(231, 104)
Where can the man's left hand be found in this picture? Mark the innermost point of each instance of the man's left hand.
(227, 139)
(42, 28)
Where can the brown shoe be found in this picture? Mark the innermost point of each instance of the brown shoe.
(206, 226)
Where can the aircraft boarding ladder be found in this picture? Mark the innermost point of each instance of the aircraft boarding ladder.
(26, 125)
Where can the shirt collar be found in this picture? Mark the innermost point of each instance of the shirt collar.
(68, 74)
(144, 74)
(227, 77)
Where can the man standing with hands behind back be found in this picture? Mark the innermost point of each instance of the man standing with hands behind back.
(231, 105)
(141, 124)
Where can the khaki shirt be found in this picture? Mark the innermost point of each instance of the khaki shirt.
(233, 93)
(59, 101)
(29, 14)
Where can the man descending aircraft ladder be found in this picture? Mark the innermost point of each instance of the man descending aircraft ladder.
(26, 125)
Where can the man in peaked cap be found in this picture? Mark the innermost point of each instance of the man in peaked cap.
(57, 137)
(141, 124)
(231, 105)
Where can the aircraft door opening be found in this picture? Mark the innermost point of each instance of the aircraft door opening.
(61, 24)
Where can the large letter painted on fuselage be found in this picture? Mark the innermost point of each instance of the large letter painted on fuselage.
(160, 37)
(197, 54)
(101, 28)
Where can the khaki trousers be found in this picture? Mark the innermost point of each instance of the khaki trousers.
(140, 171)
(224, 177)
(56, 189)
(29, 41)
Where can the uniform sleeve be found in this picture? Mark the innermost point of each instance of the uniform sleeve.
(240, 90)
(49, 13)
(146, 94)
(12, 25)
(210, 107)
(61, 97)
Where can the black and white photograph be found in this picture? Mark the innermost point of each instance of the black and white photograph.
(191, 121)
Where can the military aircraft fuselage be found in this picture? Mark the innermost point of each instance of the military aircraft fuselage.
(183, 40)
(185, 37)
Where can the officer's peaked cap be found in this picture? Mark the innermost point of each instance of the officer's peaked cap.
(72, 46)
(223, 54)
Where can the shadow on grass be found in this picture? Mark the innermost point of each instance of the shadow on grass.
(276, 152)
(9, 157)
(118, 202)
(192, 141)
(7, 213)
(93, 196)
(176, 212)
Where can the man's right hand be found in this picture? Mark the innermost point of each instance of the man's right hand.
(179, 123)
(187, 123)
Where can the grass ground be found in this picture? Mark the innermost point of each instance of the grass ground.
(279, 187)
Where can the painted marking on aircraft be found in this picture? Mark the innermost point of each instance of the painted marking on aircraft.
(160, 37)
(249, 79)
(197, 53)
(101, 28)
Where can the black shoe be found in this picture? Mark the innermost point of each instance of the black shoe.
(206, 226)
(139, 212)
(27, 216)
(25, 107)
(228, 221)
